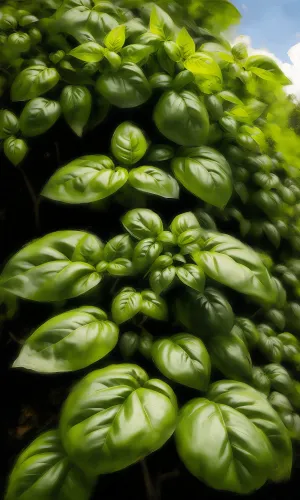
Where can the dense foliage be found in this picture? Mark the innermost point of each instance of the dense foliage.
(211, 139)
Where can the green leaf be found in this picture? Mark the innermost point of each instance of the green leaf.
(126, 305)
(260, 380)
(254, 405)
(203, 65)
(205, 173)
(126, 88)
(280, 379)
(120, 246)
(38, 116)
(56, 267)
(250, 332)
(219, 52)
(85, 180)
(226, 95)
(76, 104)
(43, 470)
(122, 402)
(287, 414)
(184, 359)
(230, 262)
(231, 357)
(182, 118)
(225, 450)
(155, 181)
(154, 306)
(142, 223)
(15, 150)
(115, 39)
(266, 68)
(184, 222)
(69, 342)
(128, 344)
(185, 43)
(160, 153)
(145, 253)
(161, 279)
(161, 24)
(136, 53)
(9, 124)
(192, 277)
(121, 267)
(90, 52)
(128, 143)
(33, 82)
(205, 314)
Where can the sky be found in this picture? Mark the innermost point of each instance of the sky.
(274, 27)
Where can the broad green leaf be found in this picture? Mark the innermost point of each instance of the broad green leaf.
(145, 344)
(154, 306)
(126, 88)
(203, 65)
(230, 262)
(205, 173)
(85, 180)
(90, 52)
(161, 24)
(115, 39)
(38, 116)
(15, 150)
(126, 305)
(69, 342)
(186, 43)
(222, 447)
(120, 246)
(9, 124)
(226, 95)
(231, 357)
(128, 143)
(136, 53)
(121, 267)
(204, 314)
(43, 470)
(250, 332)
(160, 153)
(184, 359)
(260, 380)
(56, 267)
(280, 379)
(161, 279)
(33, 82)
(184, 222)
(76, 104)
(266, 68)
(128, 344)
(218, 52)
(192, 277)
(155, 181)
(182, 118)
(287, 414)
(254, 405)
(111, 420)
(142, 223)
(145, 253)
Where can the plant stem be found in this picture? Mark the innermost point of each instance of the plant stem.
(150, 490)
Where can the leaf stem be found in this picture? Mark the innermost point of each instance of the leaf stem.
(150, 490)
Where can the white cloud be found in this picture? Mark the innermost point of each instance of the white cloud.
(292, 69)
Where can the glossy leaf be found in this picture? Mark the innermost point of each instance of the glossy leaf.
(182, 118)
(186, 43)
(38, 116)
(287, 414)
(85, 180)
(115, 39)
(90, 52)
(56, 267)
(128, 144)
(120, 246)
(222, 447)
(126, 305)
(9, 124)
(126, 88)
(161, 24)
(161, 279)
(43, 470)
(231, 357)
(33, 82)
(205, 173)
(69, 342)
(76, 104)
(155, 181)
(234, 264)
(205, 314)
(142, 223)
(15, 150)
(110, 419)
(154, 306)
(192, 277)
(254, 405)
